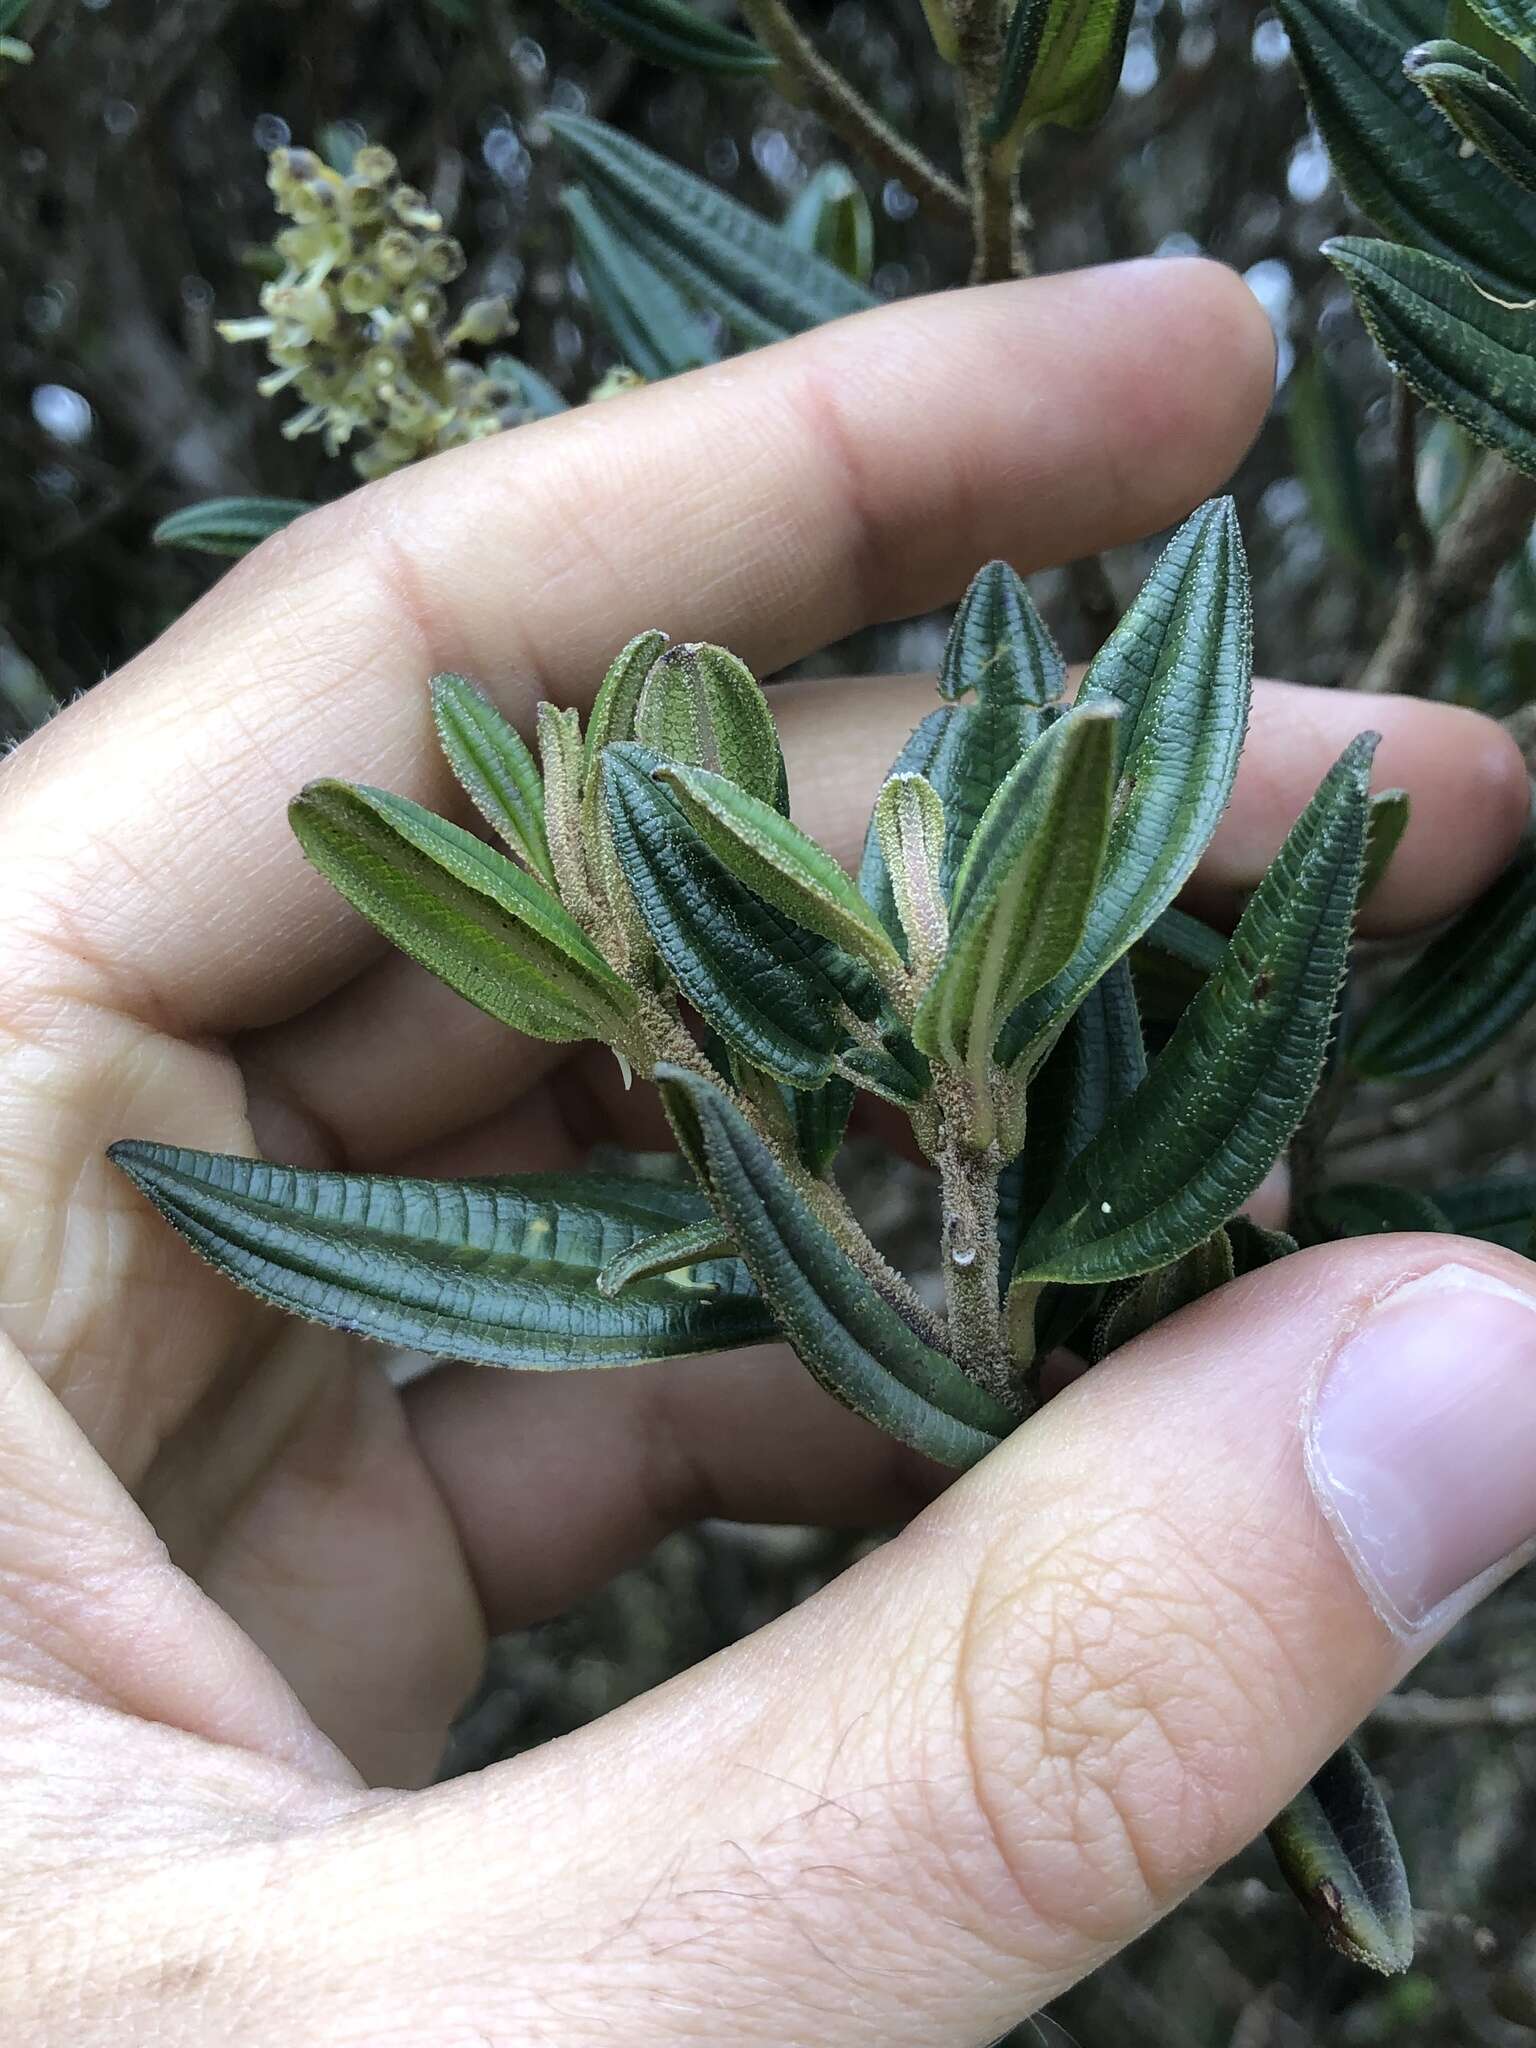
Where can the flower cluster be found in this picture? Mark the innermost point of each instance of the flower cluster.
(357, 322)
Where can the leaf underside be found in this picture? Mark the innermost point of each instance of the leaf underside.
(1337, 1851)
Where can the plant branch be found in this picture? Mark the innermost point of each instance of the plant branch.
(1492, 521)
(970, 1247)
(830, 96)
(1428, 1713)
(990, 167)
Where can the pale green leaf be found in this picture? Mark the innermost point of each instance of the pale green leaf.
(849, 1336)
(499, 1272)
(1385, 825)
(1023, 895)
(467, 913)
(831, 218)
(909, 824)
(702, 708)
(1179, 666)
(779, 862)
(1226, 1094)
(494, 768)
(1061, 63)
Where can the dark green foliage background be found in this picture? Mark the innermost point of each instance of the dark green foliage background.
(131, 194)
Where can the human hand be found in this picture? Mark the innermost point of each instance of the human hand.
(956, 1779)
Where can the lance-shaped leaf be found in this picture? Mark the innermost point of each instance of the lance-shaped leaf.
(1061, 63)
(1385, 824)
(848, 1334)
(756, 977)
(500, 1272)
(717, 253)
(999, 648)
(780, 863)
(701, 707)
(820, 1118)
(1463, 992)
(645, 317)
(669, 33)
(1369, 1208)
(228, 526)
(831, 218)
(613, 708)
(1325, 440)
(1459, 350)
(672, 1252)
(1336, 1850)
(1514, 20)
(1179, 665)
(1478, 100)
(494, 934)
(909, 823)
(1136, 1305)
(1499, 1209)
(1227, 1092)
(1023, 895)
(1097, 1064)
(494, 768)
(1398, 157)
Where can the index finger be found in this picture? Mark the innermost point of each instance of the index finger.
(775, 503)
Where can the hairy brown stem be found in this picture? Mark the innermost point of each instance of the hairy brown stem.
(969, 1248)
(1492, 521)
(990, 167)
(829, 95)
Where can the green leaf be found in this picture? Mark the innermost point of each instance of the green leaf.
(1325, 442)
(1463, 992)
(1137, 1305)
(999, 648)
(820, 1118)
(1224, 1097)
(999, 651)
(669, 33)
(644, 316)
(1462, 352)
(499, 1272)
(1022, 898)
(1179, 666)
(613, 708)
(1398, 157)
(535, 394)
(780, 863)
(831, 218)
(909, 824)
(1385, 824)
(1254, 1247)
(755, 976)
(1368, 1208)
(228, 526)
(1098, 1063)
(1061, 63)
(1337, 1852)
(1512, 20)
(494, 768)
(849, 1336)
(717, 254)
(1480, 103)
(671, 1252)
(1499, 1209)
(494, 934)
(702, 708)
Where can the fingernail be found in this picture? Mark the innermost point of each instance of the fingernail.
(1421, 1445)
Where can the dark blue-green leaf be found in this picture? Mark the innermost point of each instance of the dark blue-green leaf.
(1398, 157)
(1223, 1099)
(713, 250)
(645, 316)
(1460, 350)
(848, 1335)
(228, 526)
(1476, 97)
(1336, 1850)
(500, 1272)
(1463, 993)
(669, 33)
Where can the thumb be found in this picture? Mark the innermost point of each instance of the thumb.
(992, 1753)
